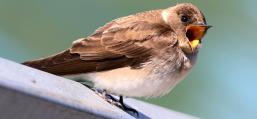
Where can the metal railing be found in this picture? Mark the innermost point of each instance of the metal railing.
(27, 93)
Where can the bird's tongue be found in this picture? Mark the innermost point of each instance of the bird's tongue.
(194, 43)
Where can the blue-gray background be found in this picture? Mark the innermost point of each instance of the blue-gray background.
(223, 84)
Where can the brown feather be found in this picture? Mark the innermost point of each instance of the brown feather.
(128, 41)
(66, 63)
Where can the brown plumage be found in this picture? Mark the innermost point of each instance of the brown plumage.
(122, 42)
(153, 45)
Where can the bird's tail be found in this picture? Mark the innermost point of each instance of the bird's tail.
(54, 64)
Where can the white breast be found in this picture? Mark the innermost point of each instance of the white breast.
(150, 81)
(145, 82)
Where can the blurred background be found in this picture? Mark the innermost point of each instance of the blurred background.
(223, 84)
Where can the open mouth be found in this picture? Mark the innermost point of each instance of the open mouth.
(194, 33)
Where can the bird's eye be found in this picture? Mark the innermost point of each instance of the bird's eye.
(185, 19)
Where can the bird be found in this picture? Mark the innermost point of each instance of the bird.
(145, 54)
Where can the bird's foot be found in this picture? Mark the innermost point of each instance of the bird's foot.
(126, 108)
(113, 101)
(110, 99)
(130, 110)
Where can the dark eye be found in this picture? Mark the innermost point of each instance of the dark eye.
(185, 19)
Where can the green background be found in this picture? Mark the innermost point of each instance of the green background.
(223, 84)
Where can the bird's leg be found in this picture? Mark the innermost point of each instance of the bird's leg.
(101, 93)
(126, 108)
(107, 97)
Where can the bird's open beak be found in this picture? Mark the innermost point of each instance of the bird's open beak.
(195, 33)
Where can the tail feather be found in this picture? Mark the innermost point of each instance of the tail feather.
(66, 63)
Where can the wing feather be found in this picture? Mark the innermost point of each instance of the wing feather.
(128, 39)
(117, 44)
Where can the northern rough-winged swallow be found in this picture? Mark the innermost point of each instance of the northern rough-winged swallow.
(141, 55)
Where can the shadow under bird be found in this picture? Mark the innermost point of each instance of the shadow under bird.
(141, 55)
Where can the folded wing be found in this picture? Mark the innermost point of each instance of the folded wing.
(115, 45)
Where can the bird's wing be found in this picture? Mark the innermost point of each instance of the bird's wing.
(126, 39)
(113, 46)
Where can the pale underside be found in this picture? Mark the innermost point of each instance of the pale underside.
(151, 81)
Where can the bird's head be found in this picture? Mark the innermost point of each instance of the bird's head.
(189, 24)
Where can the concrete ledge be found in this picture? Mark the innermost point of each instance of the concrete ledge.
(27, 93)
